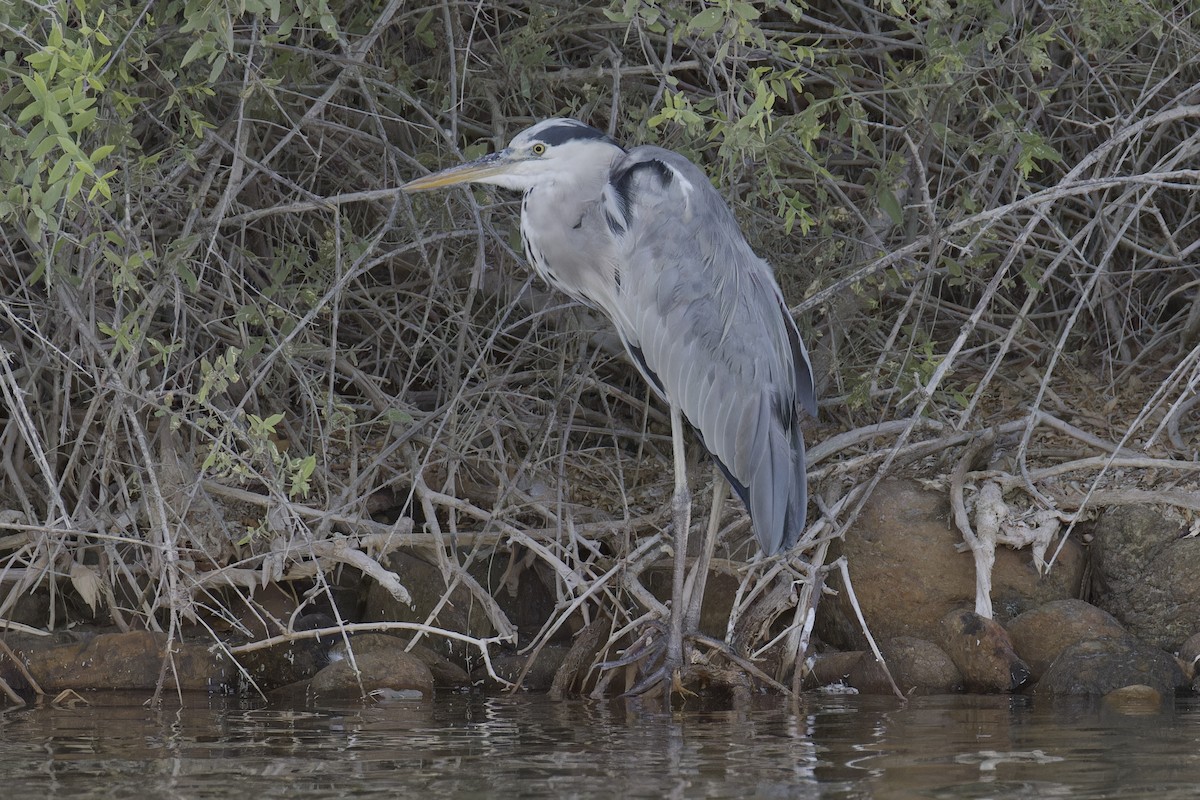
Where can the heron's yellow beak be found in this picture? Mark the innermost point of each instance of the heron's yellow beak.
(477, 170)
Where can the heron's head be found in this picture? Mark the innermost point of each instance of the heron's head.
(552, 150)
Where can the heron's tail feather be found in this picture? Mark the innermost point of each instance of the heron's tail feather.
(797, 508)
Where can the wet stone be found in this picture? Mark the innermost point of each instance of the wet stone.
(1098, 666)
(446, 673)
(983, 653)
(288, 662)
(1135, 699)
(387, 669)
(916, 665)
(427, 586)
(132, 660)
(540, 676)
(833, 667)
(1189, 654)
(1041, 634)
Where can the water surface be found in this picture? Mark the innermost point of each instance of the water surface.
(504, 747)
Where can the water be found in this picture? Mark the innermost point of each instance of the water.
(503, 747)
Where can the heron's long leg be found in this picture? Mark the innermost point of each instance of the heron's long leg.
(681, 507)
(698, 577)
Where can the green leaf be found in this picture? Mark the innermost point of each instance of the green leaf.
(890, 205)
(83, 120)
(707, 22)
(189, 277)
(44, 146)
(54, 120)
(746, 11)
(76, 183)
(60, 168)
(218, 67)
(397, 417)
(198, 48)
(100, 187)
(302, 471)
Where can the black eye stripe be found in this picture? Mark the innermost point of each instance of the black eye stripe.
(569, 131)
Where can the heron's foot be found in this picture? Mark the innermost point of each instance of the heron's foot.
(667, 675)
(663, 681)
(677, 686)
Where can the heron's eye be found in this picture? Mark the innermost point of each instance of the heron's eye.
(538, 149)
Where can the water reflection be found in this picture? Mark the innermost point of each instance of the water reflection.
(478, 746)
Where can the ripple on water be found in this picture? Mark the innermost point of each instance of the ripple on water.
(479, 746)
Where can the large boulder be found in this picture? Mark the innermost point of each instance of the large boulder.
(908, 573)
(1041, 634)
(134, 660)
(1099, 666)
(1147, 575)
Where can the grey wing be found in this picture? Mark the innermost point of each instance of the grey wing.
(706, 322)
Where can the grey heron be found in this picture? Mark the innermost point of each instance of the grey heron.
(643, 236)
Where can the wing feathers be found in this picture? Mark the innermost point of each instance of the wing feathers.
(713, 333)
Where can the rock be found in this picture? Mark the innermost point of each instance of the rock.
(917, 667)
(446, 674)
(461, 613)
(516, 582)
(132, 660)
(983, 653)
(1135, 699)
(1041, 634)
(540, 676)
(33, 608)
(284, 663)
(832, 668)
(363, 643)
(1189, 654)
(522, 585)
(720, 592)
(1098, 666)
(291, 661)
(1146, 575)
(387, 668)
(908, 574)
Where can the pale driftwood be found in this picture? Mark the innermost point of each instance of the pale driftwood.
(380, 532)
(983, 549)
(1179, 498)
(849, 586)
(308, 559)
